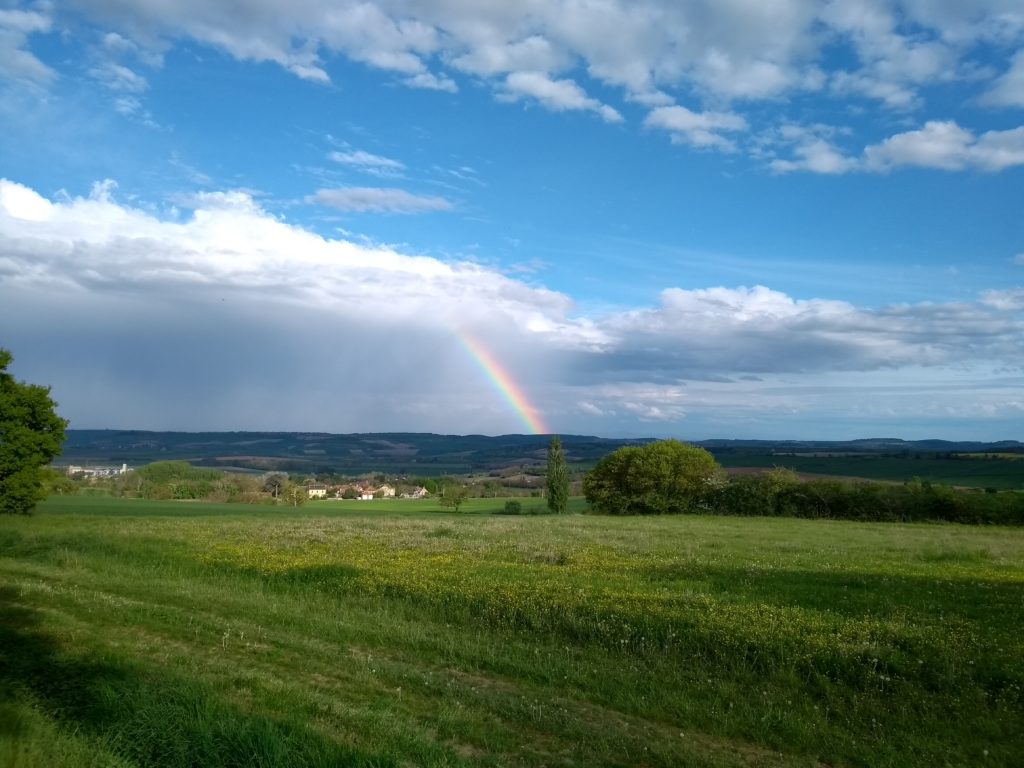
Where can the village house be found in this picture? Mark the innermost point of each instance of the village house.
(74, 470)
(316, 491)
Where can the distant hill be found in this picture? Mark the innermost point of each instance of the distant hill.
(423, 453)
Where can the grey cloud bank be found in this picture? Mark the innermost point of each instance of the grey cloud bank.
(229, 318)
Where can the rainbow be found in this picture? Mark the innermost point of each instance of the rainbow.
(504, 383)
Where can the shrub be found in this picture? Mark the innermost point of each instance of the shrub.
(666, 477)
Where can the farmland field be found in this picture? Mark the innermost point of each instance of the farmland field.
(391, 633)
(1004, 472)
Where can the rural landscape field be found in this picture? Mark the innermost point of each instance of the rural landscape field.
(395, 633)
(549, 384)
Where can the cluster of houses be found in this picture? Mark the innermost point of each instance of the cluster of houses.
(74, 470)
(362, 491)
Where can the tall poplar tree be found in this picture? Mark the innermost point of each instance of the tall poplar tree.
(557, 478)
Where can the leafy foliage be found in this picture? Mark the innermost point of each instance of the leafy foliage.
(31, 434)
(454, 496)
(666, 477)
(557, 478)
(780, 493)
(174, 480)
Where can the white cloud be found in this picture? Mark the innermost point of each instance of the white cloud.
(20, 202)
(117, 77)
(742, 77)
(894, 62)
(726, 332)
(559, 53)
(947, 146)
(492, 57)
(1008, 300)
(229, 274)
(817, 156)
(1008, 90)
(699, 129)
(941, 145)
(892, 94)
(229, 317)
(558, 95)
(369, 162)
(379, 200)
(431, 82)
(658, 411)
(16, 62)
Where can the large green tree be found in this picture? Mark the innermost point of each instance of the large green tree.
(557, 478)
(666, 477)
(31, 434)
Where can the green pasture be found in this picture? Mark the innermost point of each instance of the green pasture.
(389, 633)
(1000, 472)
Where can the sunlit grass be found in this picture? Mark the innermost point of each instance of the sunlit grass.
(365, 634)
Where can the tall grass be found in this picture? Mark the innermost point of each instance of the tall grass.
(184, 634)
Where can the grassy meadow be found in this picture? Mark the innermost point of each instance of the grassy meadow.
(138, 633)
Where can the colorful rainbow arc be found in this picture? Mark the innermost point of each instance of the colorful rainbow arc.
(504, 383)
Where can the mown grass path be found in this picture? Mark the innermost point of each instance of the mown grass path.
(173, 634)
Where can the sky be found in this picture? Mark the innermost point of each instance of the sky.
(776, 219)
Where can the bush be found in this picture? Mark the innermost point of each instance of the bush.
(513, 507)
(666, 477)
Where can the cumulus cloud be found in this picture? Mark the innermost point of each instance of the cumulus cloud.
(703, 129)
(1009, 299)
(941, 145)
(229, 317)
(947, 146)
(379, 200)
(731, 50)
(534, 53)
(431, 82)
(17, 63)
(558, 95)
(1008, 89)
(816, 156)
(720, 56)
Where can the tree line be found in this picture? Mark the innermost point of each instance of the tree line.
(663, 477)
(670, 477)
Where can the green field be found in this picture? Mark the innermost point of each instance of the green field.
(392, 634)
(1001, 472)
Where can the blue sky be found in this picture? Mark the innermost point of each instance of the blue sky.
(700, 219)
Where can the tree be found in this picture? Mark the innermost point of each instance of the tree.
(31, 434)
(274, 483)
(557, 478)
(666, 477)
(453, 496)
(293, 494)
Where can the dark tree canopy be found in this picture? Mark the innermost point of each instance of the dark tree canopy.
(666, 477)
(31, 434)
(557, 478)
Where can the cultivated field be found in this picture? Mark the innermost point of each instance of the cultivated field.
(380, 634)
(1004, 472)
